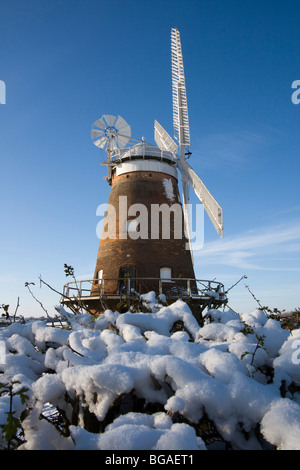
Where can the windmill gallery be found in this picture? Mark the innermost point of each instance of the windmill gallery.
(145, 237)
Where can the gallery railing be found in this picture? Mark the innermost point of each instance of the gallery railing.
(173, 287)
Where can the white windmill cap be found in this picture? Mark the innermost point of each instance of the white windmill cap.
(144, 149)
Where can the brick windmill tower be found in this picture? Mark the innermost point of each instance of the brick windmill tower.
(145, 241)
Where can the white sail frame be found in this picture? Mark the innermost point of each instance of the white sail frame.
(180, 108)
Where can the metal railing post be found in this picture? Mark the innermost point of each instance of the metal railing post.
(189, 287)
(128, 286)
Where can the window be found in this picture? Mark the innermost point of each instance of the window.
(100, 276)
(166, 274)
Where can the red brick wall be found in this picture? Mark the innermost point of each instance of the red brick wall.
(146, 256)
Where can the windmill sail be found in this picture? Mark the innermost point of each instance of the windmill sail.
(186, 209)
(163, 140)
(180, 108)
(190, 178)
(211, 206)
(182, 135)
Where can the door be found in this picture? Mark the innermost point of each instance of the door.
(127, 280)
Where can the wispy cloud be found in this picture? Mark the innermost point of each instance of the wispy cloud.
(274, 248)
(283, 212)
(228, 149)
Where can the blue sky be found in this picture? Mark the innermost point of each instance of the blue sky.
(66, 63)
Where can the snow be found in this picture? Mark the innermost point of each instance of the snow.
(139, 431)
(255, 318)
(281, 425)
(221, 371)
(287, 363)
(169, 190)
(48, 388)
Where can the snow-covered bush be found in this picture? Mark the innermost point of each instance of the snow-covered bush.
(152, 381)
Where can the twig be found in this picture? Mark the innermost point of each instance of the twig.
(27, 284)
(236, 313)
(63, 295)
(258, 301)
(243, 277)
(18, 305)
(259, 344)
(74, 351)
(69, 271)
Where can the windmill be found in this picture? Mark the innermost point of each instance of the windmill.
(182, 134)
(145, 176)
(113, 134)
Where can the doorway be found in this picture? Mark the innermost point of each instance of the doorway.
(127, 280)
